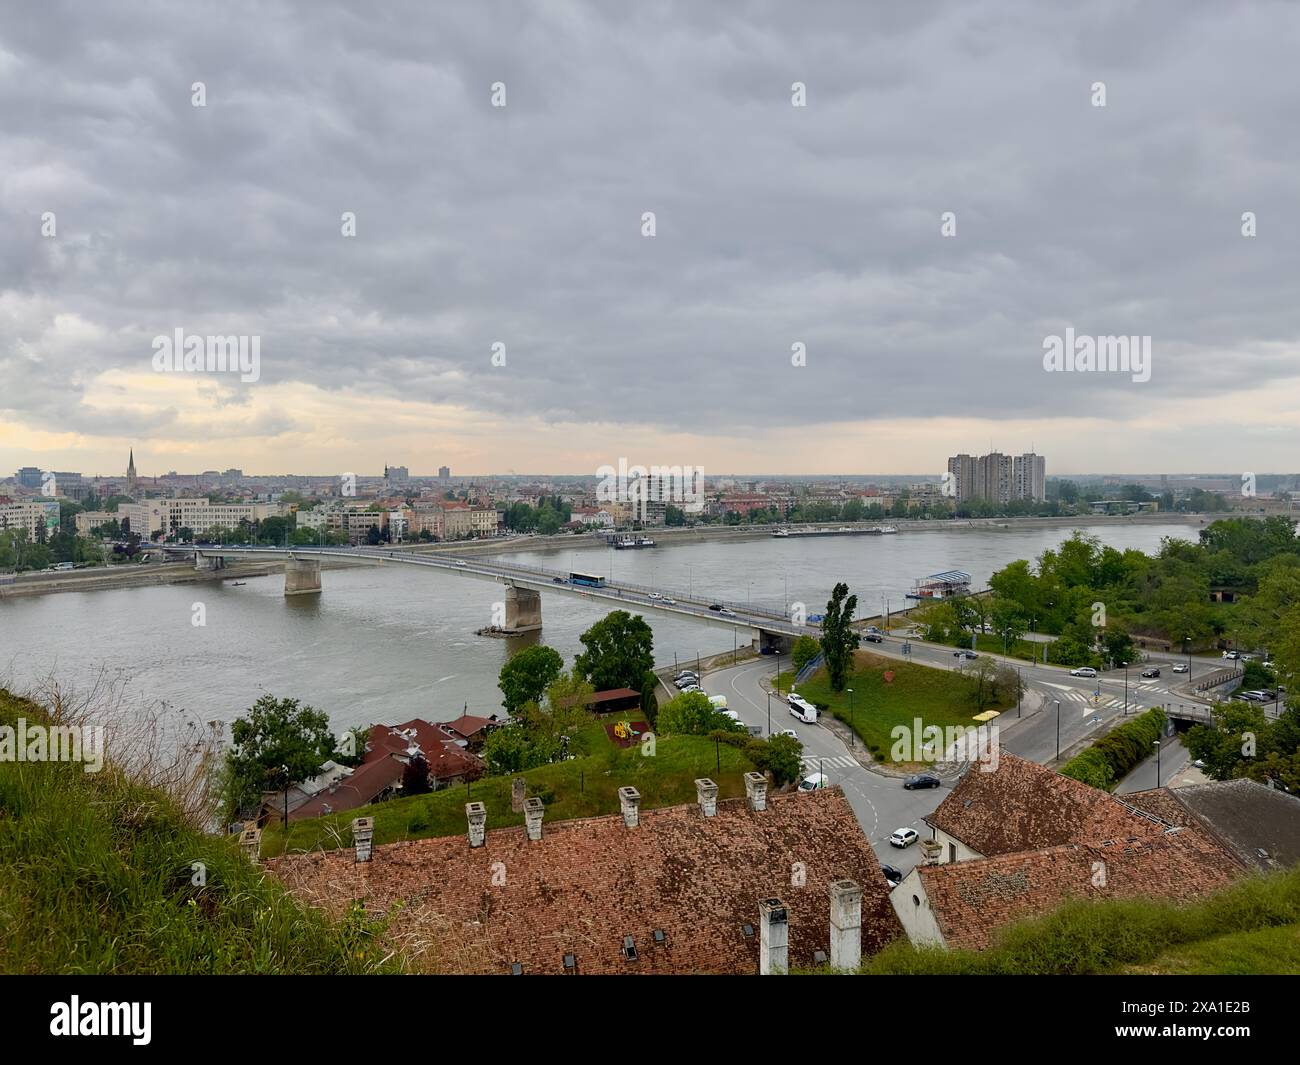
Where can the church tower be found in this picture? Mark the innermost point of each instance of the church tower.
(130, 475)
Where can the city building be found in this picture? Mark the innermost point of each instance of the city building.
(29, 477)
(132, 481)
(997, 477)
(444, 473)
(167, 516)
(1029, 478)
(40, 518)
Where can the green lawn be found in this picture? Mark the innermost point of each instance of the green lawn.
(1267, 952)
(936, 696)
(584, 787)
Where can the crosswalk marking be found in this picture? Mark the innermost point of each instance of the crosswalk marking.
(839, 761)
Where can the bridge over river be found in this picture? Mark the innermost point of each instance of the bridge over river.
(768, 627)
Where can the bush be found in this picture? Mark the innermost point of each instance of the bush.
(1116, 754)
(805, 650)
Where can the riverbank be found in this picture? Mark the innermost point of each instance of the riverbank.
(107, 578)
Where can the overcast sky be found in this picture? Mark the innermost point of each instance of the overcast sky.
(774, 225)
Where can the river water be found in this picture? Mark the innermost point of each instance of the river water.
(385, 644)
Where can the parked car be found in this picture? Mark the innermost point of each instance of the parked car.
(685, 674)
(692, 687)
(1181, 667)
(1153, 671)
(964, 654)
(922, 780)
(903, 837)
(1083, 671)
(813, 781)
(892, 875)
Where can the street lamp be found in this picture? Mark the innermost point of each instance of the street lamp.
(769, 715)
(776, 676)
(852, 730)
(1187, 650)
(1058, 730)
(1125, 664)
(1157, 744)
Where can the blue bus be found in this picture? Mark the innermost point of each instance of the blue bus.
(590, 580)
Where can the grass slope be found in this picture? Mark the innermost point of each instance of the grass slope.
(96, 876)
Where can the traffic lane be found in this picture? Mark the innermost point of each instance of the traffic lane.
(1173, 759)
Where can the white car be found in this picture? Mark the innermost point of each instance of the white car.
(903, 837)
(1181, 667)
(692, 688)
(655, 595)
(1083, 671)
(789, 732)
(814, 781)
(667, 599)
(460, 562)
(727, 613)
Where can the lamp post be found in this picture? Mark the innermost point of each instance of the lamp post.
(776, 676)
(1058, 730)
(1187, 650)
(852, 730)
(769, 715)
(1125, 689)
(1157, 743)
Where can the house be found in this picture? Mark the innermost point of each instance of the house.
(1017, 841)
(728, 887)
(470, 730)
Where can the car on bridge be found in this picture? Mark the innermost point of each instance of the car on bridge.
(656, 596)
(715, 606)
(669, 600)
(727, 613)
(1083, 671)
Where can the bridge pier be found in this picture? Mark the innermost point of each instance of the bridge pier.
(302, 576)
(523, 610)
(208, 562)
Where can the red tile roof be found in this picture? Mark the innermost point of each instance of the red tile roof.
(467, 725)
(1024, 806)
(368, 781)
(588, 883)
(972, 900)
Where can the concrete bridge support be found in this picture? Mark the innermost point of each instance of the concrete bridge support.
(523, 610)
(208, 562)
(302, 576)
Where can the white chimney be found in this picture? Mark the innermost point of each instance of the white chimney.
(363, 834)
(476, 812)
(707, 793)
(773, 938)
(629, 800)
(756, 791)
(250, 841)
(846, 924)
(533, 811)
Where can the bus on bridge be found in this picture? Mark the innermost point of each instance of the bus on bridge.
(588, 580)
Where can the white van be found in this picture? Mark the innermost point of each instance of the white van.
(730, 714)
(718, 702)
(813, 781)
(802, 709)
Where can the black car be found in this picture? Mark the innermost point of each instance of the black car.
(921, 780)
(1152, 672)
(558, 580)
(893, 875)
(715, 606)
(873, 637)
(964, 654)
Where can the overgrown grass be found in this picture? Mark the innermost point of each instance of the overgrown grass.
(583, 787)
(98, 875)
(936, 696)
(1211, 936)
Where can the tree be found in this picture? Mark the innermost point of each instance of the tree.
(839, 640)
(526, 676)
(783, 759)
(805, 650)
(415, 776)
(690, 714)
(279, 742)
(619, 652)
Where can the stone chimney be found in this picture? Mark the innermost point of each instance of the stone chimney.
(518, 791)
(756, 791)
(250, 842)
(773, 938)
(533, 811)
(363, 834)
(707, 793)
(476, 812)
(931, 849)
(629, 800)
(846, 924)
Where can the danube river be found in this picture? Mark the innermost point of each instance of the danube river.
(385, 644)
